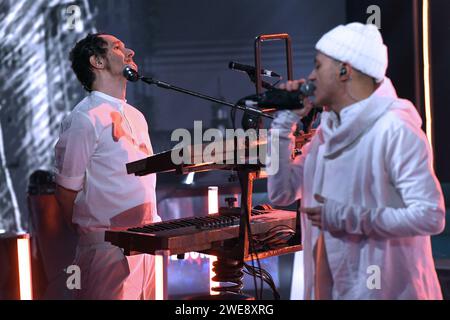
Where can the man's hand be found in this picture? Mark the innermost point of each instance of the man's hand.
(315, 213)
(293, 85)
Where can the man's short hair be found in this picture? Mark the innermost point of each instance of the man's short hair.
(91, 45)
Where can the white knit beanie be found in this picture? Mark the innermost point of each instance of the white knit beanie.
(359, 45)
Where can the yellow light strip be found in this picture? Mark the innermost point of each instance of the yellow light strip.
(426, 72)
(23, 256)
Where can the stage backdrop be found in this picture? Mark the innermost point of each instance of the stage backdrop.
(186, 43)
(38, 90)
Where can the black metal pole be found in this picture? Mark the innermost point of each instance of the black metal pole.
(166, 85)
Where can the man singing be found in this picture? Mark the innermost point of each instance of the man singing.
(95, 193)
(370, 198)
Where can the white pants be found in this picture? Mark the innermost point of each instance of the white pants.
(107, 274)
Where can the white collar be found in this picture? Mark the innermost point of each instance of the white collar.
(346, 114)
(108, 97)
(353, 109)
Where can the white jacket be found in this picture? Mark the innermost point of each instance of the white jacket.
(383, 200)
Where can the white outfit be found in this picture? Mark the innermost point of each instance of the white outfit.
(96, 141)
(383, 201)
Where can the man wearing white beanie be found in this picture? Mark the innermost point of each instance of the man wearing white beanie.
(370, 198)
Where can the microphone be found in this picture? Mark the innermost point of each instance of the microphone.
(130, 74)
(251, 70)
(282, 99)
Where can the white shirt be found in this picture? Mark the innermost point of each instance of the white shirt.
(383, 200)
(97, 139)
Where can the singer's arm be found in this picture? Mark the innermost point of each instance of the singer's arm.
(66, 199)
(75, 146)
(284, 186)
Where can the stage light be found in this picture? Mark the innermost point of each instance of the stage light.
(189, 178)
(161, 267)
(213, 207)
(427, 72)
(24, 263)
(213, 200)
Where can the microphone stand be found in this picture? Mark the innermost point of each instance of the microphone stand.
(166, 85)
